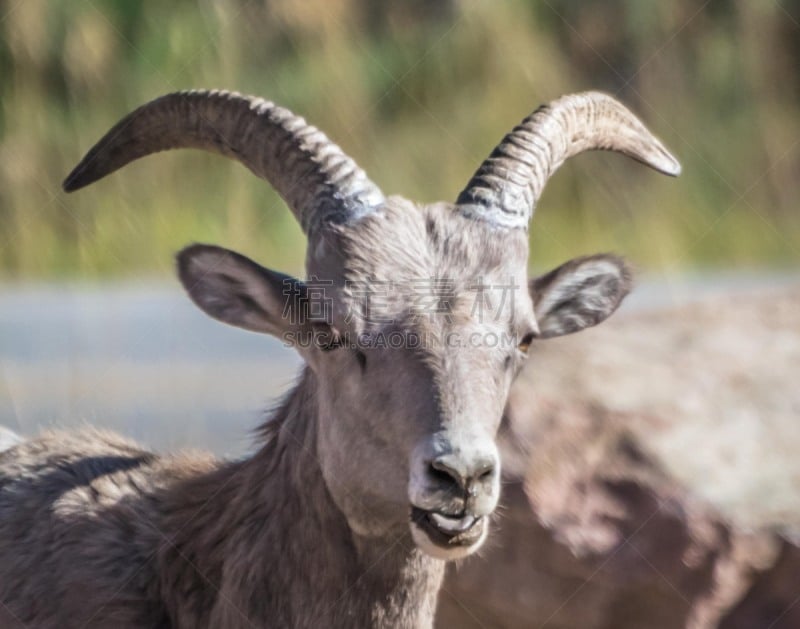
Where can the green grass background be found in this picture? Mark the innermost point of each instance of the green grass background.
(419, 93)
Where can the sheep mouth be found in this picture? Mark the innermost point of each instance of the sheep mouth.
(449, 532)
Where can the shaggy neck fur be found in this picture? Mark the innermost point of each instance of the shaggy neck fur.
(261, 543)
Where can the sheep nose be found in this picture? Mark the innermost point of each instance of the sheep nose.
(450, 469)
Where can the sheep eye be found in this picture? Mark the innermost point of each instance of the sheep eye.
(330, 340)
(525, 343)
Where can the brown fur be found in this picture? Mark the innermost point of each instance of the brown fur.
(314, 527)
(382, 461)
(96, 532)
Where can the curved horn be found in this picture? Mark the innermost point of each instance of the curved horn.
(506, 187)
(315, 178)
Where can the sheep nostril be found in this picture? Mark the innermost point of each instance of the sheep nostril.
(448, 472)
(443, 474)
(485, 472)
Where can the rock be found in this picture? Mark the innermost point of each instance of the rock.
(597, 530)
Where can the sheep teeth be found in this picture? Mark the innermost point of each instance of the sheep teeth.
(453, 525)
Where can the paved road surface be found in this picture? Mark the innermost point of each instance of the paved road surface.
(143, 360)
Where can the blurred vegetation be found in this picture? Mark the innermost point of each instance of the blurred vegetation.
(418, 92)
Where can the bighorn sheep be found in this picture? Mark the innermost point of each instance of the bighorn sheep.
(381, 462)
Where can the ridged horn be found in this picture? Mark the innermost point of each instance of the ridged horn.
(311, 173)
(507, 186)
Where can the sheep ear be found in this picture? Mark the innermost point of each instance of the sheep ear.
(235, 290)
(579, 294)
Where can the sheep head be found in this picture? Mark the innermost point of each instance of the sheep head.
(414, 319)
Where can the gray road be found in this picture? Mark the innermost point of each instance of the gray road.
(142, 360)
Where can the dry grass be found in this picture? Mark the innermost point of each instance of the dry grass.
(418, 93)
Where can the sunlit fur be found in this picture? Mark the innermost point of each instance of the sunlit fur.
(315, 528)
(93, 528)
